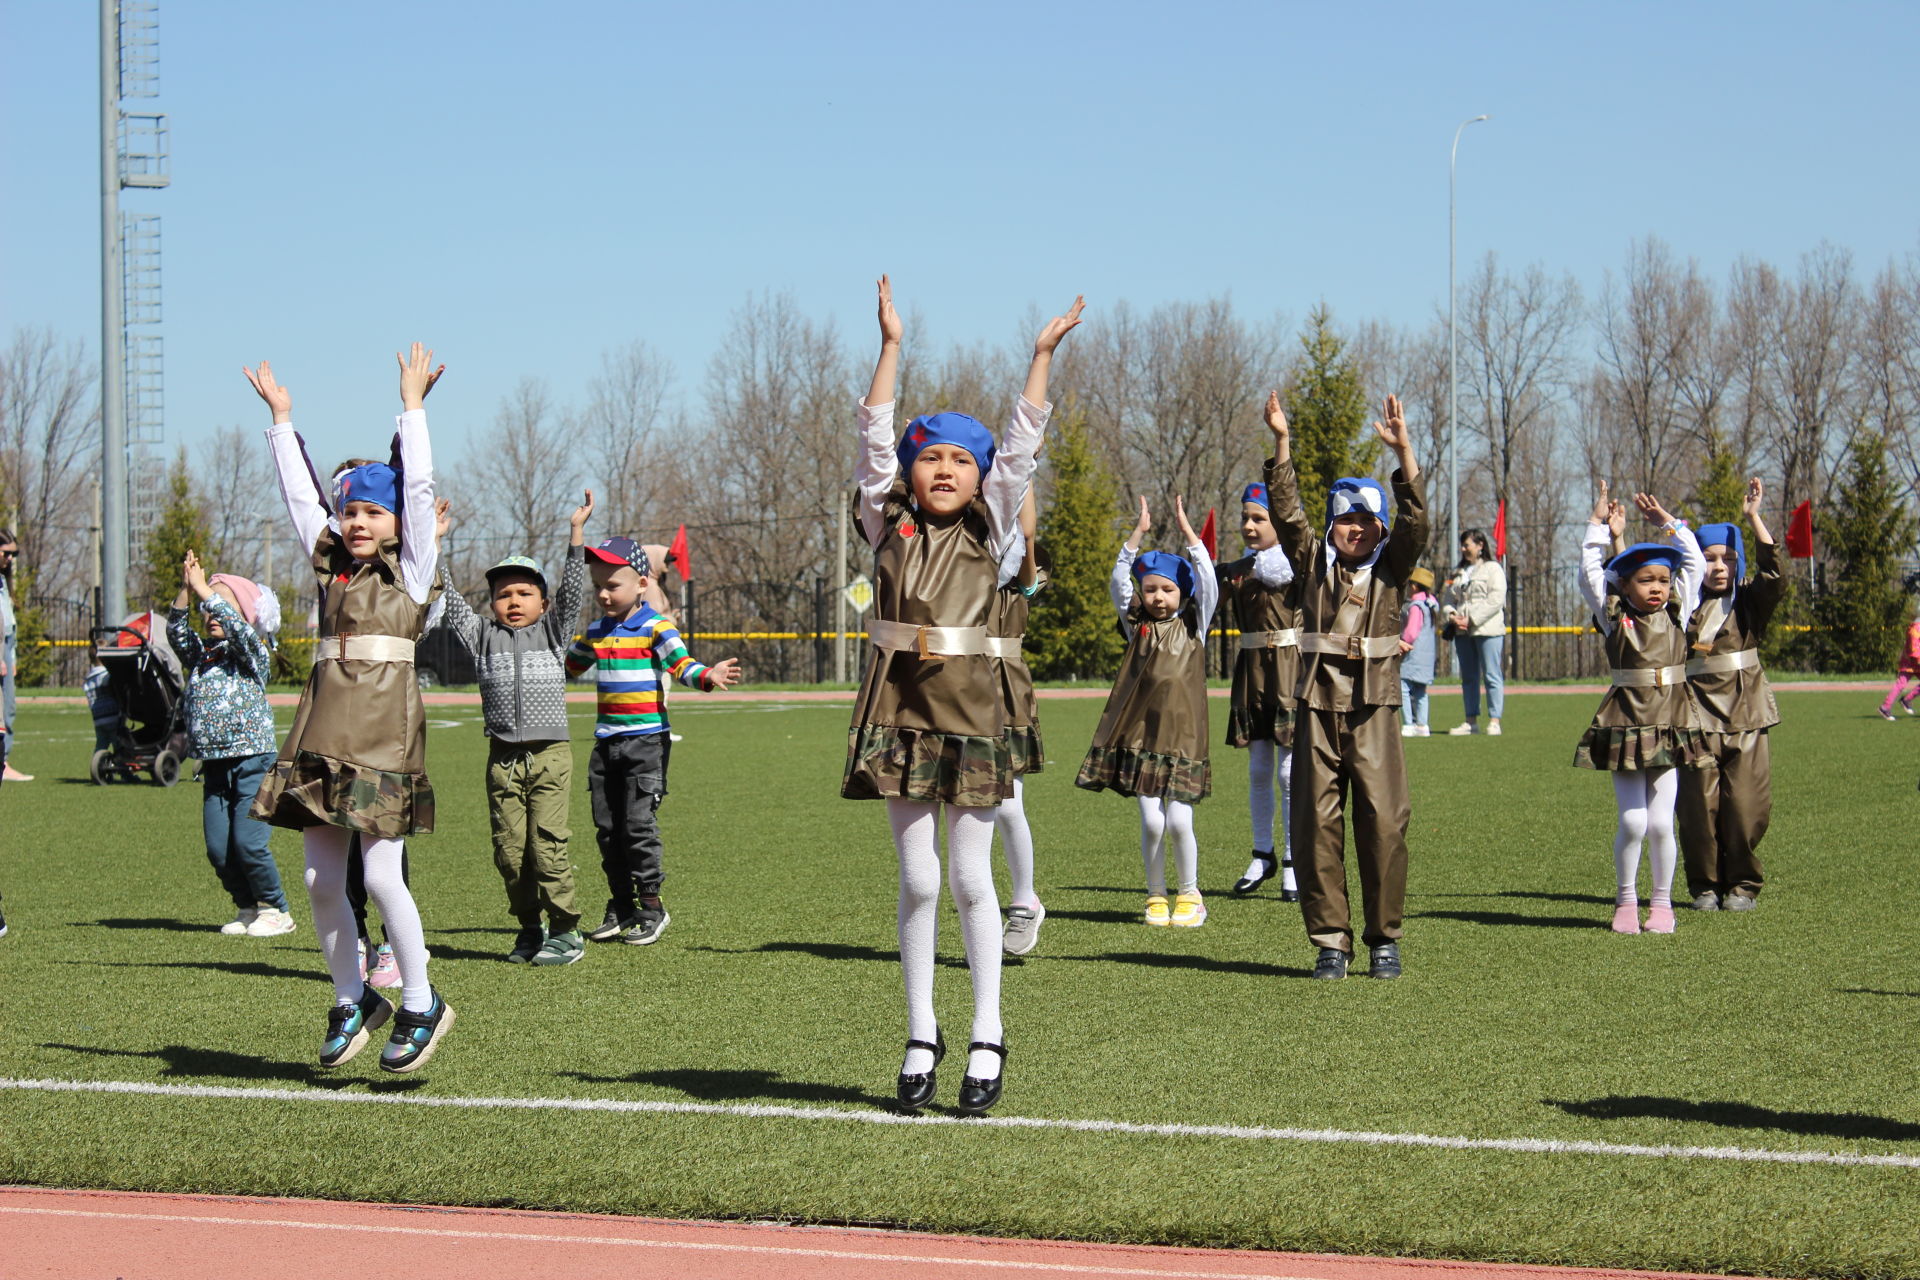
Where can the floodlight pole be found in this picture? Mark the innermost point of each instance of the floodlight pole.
(1453, 426)
(113, 357)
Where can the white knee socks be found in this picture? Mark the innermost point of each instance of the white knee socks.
(1016, 840)
(326, 849)
(1265, 759)
(1158, 818)
(1646, 801)
(970, 877)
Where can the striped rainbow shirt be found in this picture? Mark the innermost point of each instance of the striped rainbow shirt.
(629, 656)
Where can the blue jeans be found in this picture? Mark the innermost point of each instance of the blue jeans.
(1413, 701)
(1480, 660)
(237, 841)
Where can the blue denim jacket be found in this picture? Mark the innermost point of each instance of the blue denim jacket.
(227, 712)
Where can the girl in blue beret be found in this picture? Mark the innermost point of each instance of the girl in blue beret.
(354, 762)
(1646, 726)
(1152, 739)
(929, 730)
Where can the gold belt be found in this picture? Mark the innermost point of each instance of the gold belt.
(362, 649)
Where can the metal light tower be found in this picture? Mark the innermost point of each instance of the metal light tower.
(1453, 425)
(133, 153)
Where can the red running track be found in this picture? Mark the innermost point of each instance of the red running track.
(58, 1235)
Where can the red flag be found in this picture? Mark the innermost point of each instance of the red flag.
(677, 555)
(1210, 539)
(1500, 532)
(1800, 532)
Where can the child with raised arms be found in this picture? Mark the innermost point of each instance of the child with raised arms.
(355, 760)
(929, 727)
(1646, 726)
(1257, 587)
(1151, 743)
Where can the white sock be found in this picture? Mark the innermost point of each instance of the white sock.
(1260, 803)
(1153, 829)
(970, 880)
(918, 919)
(1630, 796)
(1016, 840)
(326, 849)
(399, 920)
(1186, 851)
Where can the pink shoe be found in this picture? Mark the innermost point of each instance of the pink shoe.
(1626, 919)
(1660, 920)
(386, 970)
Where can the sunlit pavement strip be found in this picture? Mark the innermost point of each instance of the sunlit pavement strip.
(1531, 1146)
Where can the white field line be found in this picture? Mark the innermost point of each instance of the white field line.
(1529, 1146)
(848, 1255)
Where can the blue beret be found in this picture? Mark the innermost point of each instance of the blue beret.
(1725, 535)
(1641, 553)
(375, 482)
(947, 428)
(1358, 493)
(1255, 492)
(1165, 564)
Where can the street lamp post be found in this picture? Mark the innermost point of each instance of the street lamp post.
(1453, 426)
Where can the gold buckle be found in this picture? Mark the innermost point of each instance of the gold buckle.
(920, 643)
(1355, 648)
(1659, 677)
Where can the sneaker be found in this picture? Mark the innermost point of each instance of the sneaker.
(1886, 715)
(1022, 932)
(1189, 910)
(1708, 901)
(648, 925)
(415, 1036)
(1425, 731)
(1739, 902)
(1907, 707)
(1626, 918)
(1331, 964)
(1384, 960)
(618, 920)
(527, 944)
(3, 924)
(1409, 730)
(1462, 730)
(14, 775)
(1157, 913)
(1660, 919)
(271, 922)
(386, 970)
(563, 948)
(241, 922)
(350, 1025)
(1493, 728)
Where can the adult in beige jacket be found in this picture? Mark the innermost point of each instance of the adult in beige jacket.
(1477, 607)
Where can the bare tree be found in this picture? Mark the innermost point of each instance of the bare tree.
(513, 496)
(623, 429)
(1806, 386)
(237, 488)
(49, 450)
(1890, 365)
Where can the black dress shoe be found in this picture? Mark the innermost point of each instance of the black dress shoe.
(1288, 895)
(1385, 960)
(915, 1090)
(1247, 884)
(1331, 964)
(977, 1095)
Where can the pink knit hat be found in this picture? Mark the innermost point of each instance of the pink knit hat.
(246, 594)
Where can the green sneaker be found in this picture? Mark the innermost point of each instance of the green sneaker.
(350, 1025)
(562, 948)
(526, 944)
(415, 1036)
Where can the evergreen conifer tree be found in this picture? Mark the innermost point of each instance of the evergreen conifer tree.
(182, 527)
(1071, 633)
(1860, 618)
(1327, 413)
(1719, 496)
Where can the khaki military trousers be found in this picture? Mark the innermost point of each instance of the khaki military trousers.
(1723, 811)
(1337, 754)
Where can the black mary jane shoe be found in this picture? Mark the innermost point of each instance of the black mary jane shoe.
(916, 1090)
(1288, 895)
(977, 1096)
(1247, 884)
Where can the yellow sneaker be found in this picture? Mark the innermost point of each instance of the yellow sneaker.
(1189, 910)
(1157, 910)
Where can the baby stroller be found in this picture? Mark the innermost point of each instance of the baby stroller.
(143, 676)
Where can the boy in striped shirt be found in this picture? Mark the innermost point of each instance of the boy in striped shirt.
(633, 649)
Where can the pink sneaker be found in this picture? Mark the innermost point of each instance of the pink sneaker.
(1626, 919)
(385, 971)
(1660, 920)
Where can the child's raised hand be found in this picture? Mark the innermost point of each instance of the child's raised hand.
(1756, 495)
(1144, 525)
(1603, 505)
(417, 376)
(194, 576)
(1394, 433)
(278, 398)
(891, 329)
(1276, 418)
(1188, 536)
(1057, 328)
(442, 517)
(1616, 520)
(582, 513)
(723, 675)
(1650, 508)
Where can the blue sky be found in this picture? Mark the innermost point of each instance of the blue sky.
(525, 186)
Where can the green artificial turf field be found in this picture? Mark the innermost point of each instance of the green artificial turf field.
(1790, 1029)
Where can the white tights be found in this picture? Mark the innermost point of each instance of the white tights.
(333, 916)
(1646, 800)
(1016, 841)
(1268, 761)
(970, 878)
(1157, 819)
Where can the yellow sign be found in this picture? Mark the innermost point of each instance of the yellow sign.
(860, 593)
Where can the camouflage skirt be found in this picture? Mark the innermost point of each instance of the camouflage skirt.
(1638, 747)
(1246, 727)
(885, 762)
(1132, 772)
(1028, 755)
(312, 791)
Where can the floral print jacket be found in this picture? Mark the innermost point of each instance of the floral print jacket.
(227, 712)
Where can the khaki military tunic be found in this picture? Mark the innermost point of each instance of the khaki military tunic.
(1261, 706)
(1643, 726)
(1152, 738)
(1011, 607)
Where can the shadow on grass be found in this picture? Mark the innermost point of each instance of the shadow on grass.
(1743, 1115)
(1875, 991)
(146, 922)
(1600, 899)
(239, 968)
(1512, 918)
(1096, 917)
(1206, 964)
(502, 931)
(1135, 890)
(197, 1063)
(438, 952)
(737, 1085)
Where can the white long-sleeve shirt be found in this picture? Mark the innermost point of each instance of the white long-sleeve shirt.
(1596, 549)
(1206, 587)
(1004, 487)
(311, 514)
